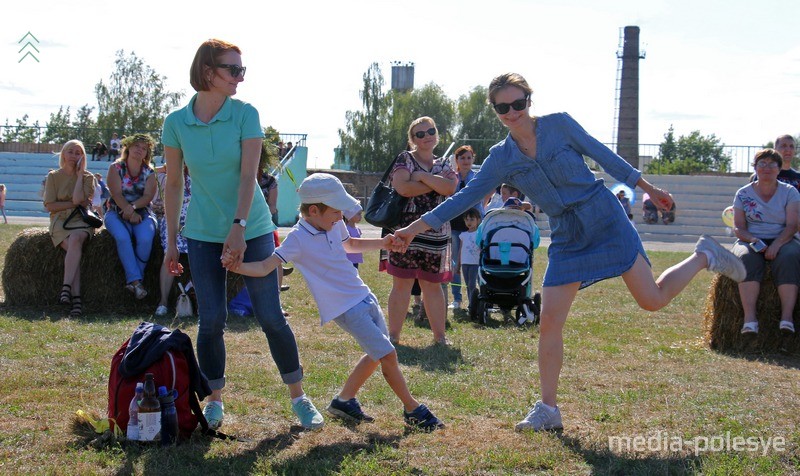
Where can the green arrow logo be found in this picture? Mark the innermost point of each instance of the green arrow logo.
(28, 45)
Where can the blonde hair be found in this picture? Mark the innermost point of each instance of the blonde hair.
(73, 142)
(414, 124)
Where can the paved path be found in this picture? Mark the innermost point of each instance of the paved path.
(370, 231)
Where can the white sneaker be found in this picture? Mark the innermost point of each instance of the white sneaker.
(454, 305)
(541, 419)
(721, 260)
(161, 311)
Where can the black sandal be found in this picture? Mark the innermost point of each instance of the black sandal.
(77, 307)
(66, 294)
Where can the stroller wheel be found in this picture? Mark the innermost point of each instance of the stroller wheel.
(521, 316)
(482, 312)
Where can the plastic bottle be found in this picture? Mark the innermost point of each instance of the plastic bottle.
(133, 413)
(149, 411)
(169, 416)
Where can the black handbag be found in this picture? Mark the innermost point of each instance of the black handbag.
(385, 206)
(89, 218)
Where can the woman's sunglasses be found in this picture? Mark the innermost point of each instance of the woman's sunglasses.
(234, 69)
(421, 134)
(518, 105)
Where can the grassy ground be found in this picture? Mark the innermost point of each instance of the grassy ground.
(627, 373)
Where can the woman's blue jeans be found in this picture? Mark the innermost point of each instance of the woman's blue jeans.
(125, 234)
(209, 279)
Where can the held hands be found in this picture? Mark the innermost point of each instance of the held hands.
(233, 248)
(404, 236)
(392, 243)
(228, 262)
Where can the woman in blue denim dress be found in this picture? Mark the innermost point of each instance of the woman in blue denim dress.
(591, 237)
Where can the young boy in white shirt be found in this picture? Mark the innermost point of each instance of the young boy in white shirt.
(318, 245)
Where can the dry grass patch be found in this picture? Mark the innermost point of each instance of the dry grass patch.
(626, 373)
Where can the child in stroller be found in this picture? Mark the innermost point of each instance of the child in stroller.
(507, 238)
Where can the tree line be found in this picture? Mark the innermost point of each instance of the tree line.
(135, 98)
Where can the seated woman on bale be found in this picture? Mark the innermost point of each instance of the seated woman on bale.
(132, 183)
(64, 189)
(765, 221)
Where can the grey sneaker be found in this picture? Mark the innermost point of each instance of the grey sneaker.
(309, 417)
(721, 260)
(541, 419)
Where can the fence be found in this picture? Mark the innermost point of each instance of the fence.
(46, 140)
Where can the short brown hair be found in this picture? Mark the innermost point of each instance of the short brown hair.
(305, 207)
(463, 150)
(206, 57)
(508, 79)
(768, 154)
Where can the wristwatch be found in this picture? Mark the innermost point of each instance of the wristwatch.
(240, 221)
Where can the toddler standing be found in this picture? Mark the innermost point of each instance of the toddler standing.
(470, 253)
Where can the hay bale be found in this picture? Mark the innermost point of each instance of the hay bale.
(34, 270)
(724, 317)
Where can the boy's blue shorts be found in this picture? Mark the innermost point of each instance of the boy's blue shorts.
(365, 322)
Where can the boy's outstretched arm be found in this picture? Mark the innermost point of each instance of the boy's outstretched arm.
(255, 268)
(358, 245)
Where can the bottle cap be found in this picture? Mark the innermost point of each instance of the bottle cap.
(140, 386)
(162, 390)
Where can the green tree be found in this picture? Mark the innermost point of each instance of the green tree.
(58, 127)
(135, 97)
(479, 126)
(377, 133)
(84, 127)
(690, 154)
(21, 132)
(365, 132)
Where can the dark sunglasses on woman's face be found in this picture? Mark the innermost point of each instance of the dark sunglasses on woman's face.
(234, 69)
(421, 134)
(518, 105)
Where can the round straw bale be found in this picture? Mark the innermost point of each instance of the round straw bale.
(34, 271)
(724, 317)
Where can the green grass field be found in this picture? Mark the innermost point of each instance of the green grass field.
(640, 393)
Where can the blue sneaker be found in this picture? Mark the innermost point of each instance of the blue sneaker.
(309, 417)
(214, 412)
(422, 418)
(349, 410)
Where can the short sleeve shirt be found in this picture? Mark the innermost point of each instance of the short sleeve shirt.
(320, 257)
(213, 154)
(765, 220)
(470, 251)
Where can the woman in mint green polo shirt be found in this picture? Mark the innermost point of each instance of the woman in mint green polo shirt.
(219, 139)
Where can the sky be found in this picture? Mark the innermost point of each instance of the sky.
(729, 68)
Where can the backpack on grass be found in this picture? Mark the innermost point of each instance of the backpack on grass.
(169, 356)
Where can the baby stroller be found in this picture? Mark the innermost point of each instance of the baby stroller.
(507, 240)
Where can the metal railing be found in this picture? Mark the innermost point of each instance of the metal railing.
(48, 140)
